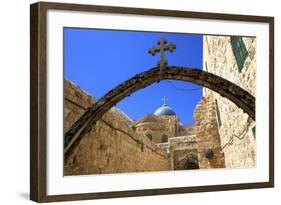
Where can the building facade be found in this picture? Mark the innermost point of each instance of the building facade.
(163, 128)
(233, 58)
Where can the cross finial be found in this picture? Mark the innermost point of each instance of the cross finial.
(164, 100)
(163, 46)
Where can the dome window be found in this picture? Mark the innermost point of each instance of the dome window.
(164, 139)
(149, 136)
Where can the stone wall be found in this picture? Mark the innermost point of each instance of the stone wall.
(112, 146)
(186, 130)
(236, 130)
(75, 102)
(207, 133)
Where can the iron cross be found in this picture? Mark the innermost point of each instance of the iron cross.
(164, 100)
(163, 46)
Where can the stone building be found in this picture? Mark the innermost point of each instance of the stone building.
(117, 144)
(223, 136)
(160, 126)
(226, 129)
(165, 130)
(112, 146)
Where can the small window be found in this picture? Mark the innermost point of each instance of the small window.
(239, 51)
(164, 138)
(218, 114)
(254, 131)
(149, 136)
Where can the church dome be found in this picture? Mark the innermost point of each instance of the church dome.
(165, 110)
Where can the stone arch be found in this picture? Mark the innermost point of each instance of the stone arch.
(191, 162)
(225, 88)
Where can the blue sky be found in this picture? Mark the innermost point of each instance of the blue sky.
(98, 60)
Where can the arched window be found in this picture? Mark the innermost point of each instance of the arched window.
(149, 136)
(164, 138)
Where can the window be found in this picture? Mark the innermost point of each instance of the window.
(149, 136)
(164, 138)
(239, 51)
(218, 114)
(254, 131)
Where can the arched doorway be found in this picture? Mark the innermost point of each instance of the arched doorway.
(191, 162)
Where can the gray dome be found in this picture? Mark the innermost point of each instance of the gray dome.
(164, 110)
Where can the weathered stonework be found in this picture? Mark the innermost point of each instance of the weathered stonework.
(185, 159)
(75, 102)
(207, 133)
(112, 146)
(183, 152)
(117, 144)
(218, 58)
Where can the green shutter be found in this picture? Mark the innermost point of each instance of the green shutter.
(254, 131)
(218, 114)
(239, 51)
